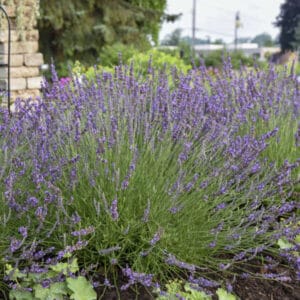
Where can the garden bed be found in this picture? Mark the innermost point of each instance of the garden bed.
(160, 175)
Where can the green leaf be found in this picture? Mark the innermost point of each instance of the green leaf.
(195, 295)
(20, 295)
(81, 288)
(13, 273)
(56, 291)
(224, 295)
(284, 244)
(42, 293)
(59, 288)
(66, 267)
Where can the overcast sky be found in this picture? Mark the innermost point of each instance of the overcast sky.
(215, 18)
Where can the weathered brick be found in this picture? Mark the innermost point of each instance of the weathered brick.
(16, 60)
(32, 35)
(10, 10)
(33, 59)
(25, 94)
(17, 72)
(14, 36)
(20, 47)
(34, 82)
(15, 84)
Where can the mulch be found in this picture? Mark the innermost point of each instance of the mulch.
(245, 288)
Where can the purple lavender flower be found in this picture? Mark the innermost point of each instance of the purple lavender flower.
(46, 283)
(114, 210)
(203, 282)
(41, 213)
(297, 136)
(172, 260)
(107, 283)
(75, 218)
(157, 236)
(15, 244)
(136, 277)
(32, 201)
(84, 231)
(23, 231)
(220, 206)
(114, 261)
(145, 218)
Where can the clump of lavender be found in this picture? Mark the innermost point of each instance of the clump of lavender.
(175, 175)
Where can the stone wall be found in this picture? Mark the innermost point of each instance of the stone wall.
(25, 60)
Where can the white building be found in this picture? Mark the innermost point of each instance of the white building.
(249, 49)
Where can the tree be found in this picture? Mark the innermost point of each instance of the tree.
(173, 39)
(263, 40)
(296, 42)
(243, 40)
(76, 29)
(289, 20)
(218, 42)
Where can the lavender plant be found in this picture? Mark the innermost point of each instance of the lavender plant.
(134, 175)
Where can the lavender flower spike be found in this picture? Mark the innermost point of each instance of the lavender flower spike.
(114, 210)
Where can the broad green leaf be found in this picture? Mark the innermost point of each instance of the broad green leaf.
(284, 244)
(42, 293)
(56, 291)
(59, 288)
(195, 295)
(81, 288)
(13, 273)
(40, 276)
(224, 295)
(20, 295)
(66, 267)
(35, 277)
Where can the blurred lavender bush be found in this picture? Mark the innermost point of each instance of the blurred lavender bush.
(153, 179)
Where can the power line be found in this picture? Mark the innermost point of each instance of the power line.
(194, 24)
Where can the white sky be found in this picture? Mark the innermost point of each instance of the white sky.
(215, 18)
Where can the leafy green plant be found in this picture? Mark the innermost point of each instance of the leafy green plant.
(43, 286)
(177, 288)
(216, 59)
(224, 295)
(110, 54)
(159, 61)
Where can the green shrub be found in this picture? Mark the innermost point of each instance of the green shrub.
(159, 59)
(110, 54)
(238, 58)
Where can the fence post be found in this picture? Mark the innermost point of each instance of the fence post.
(8, 58)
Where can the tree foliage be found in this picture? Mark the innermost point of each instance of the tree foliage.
(173, 39)
(76, 29)
(263, 40)
(289, 22)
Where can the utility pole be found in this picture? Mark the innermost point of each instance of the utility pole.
(237, 25)
(194, 26)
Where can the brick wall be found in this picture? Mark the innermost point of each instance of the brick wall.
(25, 60)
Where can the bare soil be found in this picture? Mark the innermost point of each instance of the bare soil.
(245, 289)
